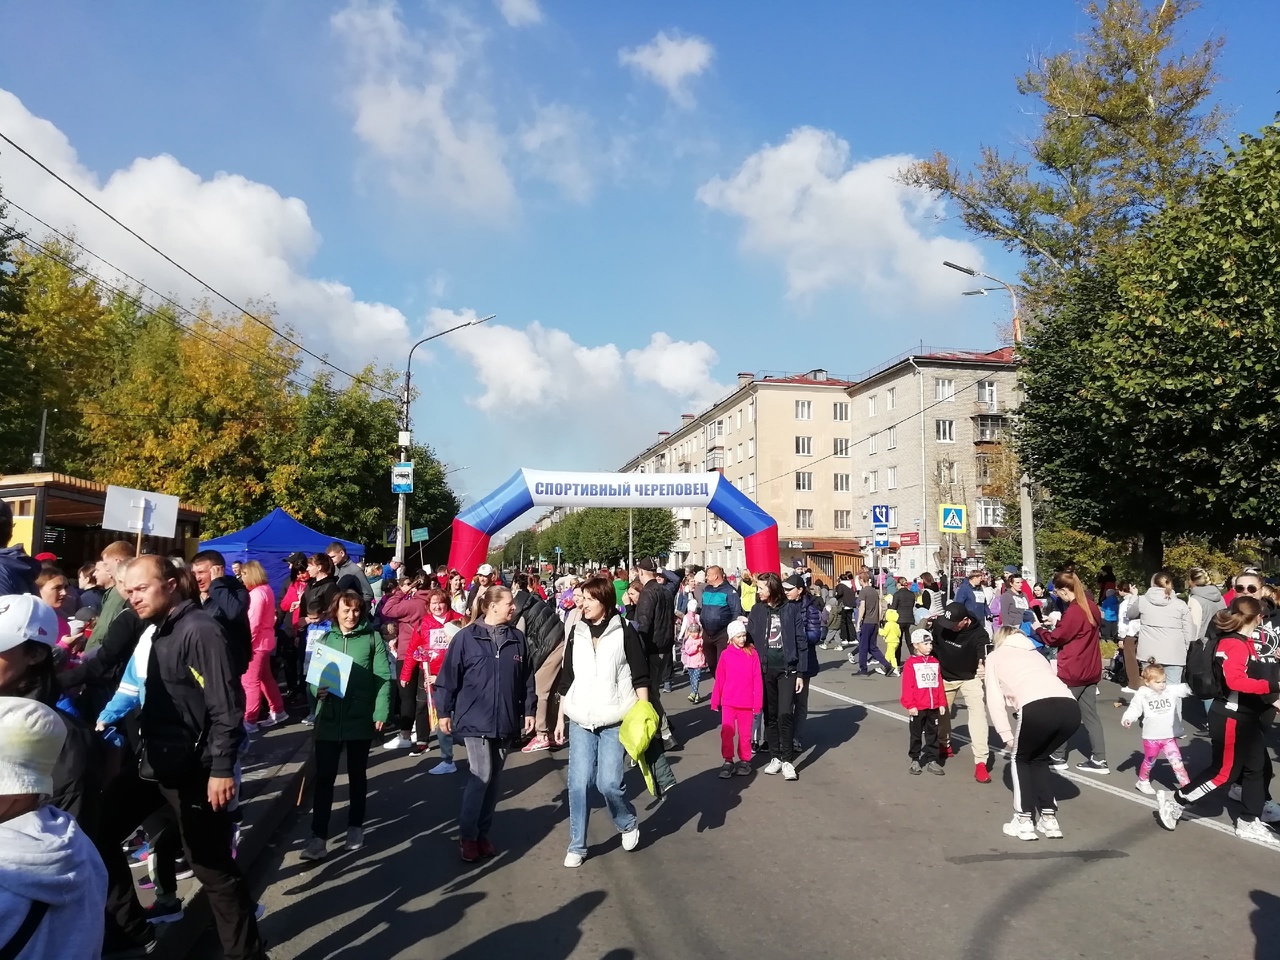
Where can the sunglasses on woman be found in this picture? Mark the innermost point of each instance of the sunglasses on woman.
(1252, 588)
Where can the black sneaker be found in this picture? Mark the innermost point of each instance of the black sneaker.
(1094, 765)
(163, 911)
(129, 949)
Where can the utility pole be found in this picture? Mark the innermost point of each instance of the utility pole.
(37, 458)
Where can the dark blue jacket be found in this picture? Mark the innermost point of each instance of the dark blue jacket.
(811, 618)
(18, 572)
(795, 645)
(966, 595)
(719, 606)
(486, 684)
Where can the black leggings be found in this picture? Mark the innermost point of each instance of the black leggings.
(1239, 754)
(779, 717)
(327, 753)
(414, 708)
(1043, 726)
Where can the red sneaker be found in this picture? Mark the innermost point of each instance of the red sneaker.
(487, 849)
(945, 752)
(980, 773)
(470, 851)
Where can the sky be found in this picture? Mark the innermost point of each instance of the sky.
(649, 197)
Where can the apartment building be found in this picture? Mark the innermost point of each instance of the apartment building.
(930, 427)
(786, 441)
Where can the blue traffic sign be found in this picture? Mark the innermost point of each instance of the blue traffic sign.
(882, 540)
(880, 515)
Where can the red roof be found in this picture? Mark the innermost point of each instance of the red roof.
(1003, 355)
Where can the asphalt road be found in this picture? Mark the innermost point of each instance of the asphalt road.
(857, 858)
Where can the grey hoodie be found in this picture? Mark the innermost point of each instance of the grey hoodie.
(44, 856)
(1204, 602)
(18, 572)
(1166, 631)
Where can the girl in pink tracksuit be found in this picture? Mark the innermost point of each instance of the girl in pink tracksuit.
(738, 694)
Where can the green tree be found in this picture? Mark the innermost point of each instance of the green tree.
(1157, 371)
(522, 545)
(600, 534)
(17, 411)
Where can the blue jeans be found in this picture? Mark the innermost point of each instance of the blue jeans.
(596, 755)
(867, 648)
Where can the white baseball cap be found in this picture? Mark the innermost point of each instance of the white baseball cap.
(26, 617)
(486, 570)
(31, 738)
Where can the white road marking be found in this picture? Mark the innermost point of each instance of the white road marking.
(1081, 778)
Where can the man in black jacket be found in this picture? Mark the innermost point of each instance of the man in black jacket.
(225, 599)
(192, 720)
(656, 625)
(847, 594)
(960, 644)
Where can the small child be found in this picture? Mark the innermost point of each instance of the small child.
(924, 700)
(317, 629)
(738, 694)
(892, 634)
(1156, 702)
(693, 657)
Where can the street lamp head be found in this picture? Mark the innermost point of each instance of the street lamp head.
(955, 266)
(973, 293)
(481, 320)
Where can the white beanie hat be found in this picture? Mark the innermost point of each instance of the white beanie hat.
(31, 737)
(25, 617)
(737, 629)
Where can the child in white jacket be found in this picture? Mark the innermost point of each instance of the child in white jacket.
(1156, 703)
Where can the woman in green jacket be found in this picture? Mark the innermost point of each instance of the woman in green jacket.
(351, 720)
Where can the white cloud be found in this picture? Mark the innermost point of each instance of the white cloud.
(835, 223)
(670, 61)
(679, 366)
(413, 112)
(240, 236)
(554, 144)
(520, 13)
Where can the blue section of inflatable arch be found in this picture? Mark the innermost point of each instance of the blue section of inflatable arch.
(737, 510)
(500, 507)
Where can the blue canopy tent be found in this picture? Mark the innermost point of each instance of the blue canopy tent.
(272, 539)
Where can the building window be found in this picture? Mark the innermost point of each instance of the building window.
(990, 428)
(891, 398)
(944, 389)
(804, 409)
(804, 519)
(891, 441)
(751, 446)
(751, 410)
(944, 431)
(841, 483)
(715, 461)
(982, 465)
(804, 446)
(728, 457)
(873, 481)
(990, 512)
(844, 520)
(841, 447)
(987, 392)
(740, 457)
(891, 478)
(947, 472)
(714, 429)
(804, 480)
(737, 420)
(751, 483)
(871, 405)
(873, 443)
(840, 411)
(893, 518)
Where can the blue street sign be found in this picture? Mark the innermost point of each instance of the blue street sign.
(882, 540)
(558, 550)
(880, 515)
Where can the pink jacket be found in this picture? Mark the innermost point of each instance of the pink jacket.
(739, 680)
(692, 654)
(262, 619)
(1018, 674)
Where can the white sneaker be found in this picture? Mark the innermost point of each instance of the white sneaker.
(1021, 827)
(1234, 792)
(268, 721)
(631, 839)
(774, 767)
(1127, 691)
(1144, 786)
(355, 838)
(398, 742)
(445, 766)
(1258, 831)
(1048, 825)
(1168, 809)
(572, 860)
(250, 727)
(788, 772)
(1271, 812)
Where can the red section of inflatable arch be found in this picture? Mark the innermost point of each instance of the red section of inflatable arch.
(762, 551)
(469, 549)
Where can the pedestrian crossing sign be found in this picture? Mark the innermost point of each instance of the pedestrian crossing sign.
(951, 518)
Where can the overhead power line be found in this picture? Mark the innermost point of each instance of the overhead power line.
(208, 286)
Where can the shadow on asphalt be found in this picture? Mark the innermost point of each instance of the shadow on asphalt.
(554, 936)
(1088, 856)
(1264, 921)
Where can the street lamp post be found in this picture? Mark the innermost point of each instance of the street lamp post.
(1024, 483)
(406, 437)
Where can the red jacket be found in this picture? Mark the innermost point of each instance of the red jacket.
(922, 684)
(294, 593)
(427, 646)
(406, 611)
(1244, 694)
(1076, 639)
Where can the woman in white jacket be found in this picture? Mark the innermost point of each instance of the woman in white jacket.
(605, 673)
(1018, 675)
(1167, 631)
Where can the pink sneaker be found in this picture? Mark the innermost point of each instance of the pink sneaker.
(540, 742)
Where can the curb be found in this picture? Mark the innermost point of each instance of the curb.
(289, 779)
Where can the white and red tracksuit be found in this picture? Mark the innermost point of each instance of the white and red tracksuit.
(1237, 724)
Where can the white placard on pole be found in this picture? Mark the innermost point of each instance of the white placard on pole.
(140, 512)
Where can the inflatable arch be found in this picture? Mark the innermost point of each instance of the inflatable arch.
(538, 488)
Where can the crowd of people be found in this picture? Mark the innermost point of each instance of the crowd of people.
(129, 699)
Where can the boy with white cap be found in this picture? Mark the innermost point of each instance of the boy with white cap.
(52, 881)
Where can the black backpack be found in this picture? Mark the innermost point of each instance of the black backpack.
(1202, 674)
